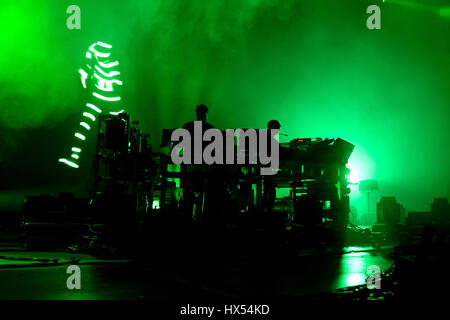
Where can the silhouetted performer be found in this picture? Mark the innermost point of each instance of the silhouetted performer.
(194, 176)
(201, 113)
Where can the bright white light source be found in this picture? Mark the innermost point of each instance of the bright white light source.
(353, 176)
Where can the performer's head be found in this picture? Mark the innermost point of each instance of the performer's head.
(201, 111)
(273, 124)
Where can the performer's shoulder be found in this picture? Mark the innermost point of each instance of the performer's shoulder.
(208, 125)
(188, 125)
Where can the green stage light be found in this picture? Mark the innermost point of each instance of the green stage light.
(445, 12)
(353, 176)
(155, 204)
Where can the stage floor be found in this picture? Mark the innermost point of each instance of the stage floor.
(309, 272)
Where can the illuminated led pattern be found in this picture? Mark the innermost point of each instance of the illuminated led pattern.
(99, 77)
